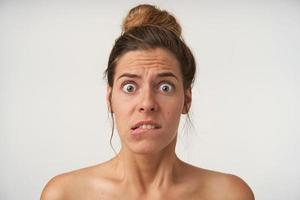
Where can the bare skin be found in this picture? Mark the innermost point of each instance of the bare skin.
(147, 166)
(182, 181)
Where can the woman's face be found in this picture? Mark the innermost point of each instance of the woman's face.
(147, 99)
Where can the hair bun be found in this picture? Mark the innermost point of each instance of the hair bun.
(145, 14)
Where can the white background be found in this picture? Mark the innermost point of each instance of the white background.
(245, 113)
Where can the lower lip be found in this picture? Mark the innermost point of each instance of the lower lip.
(140, 131)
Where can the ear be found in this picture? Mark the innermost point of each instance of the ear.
(108, 99)
(187, 100)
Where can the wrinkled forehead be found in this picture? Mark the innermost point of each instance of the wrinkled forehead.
(148, 62)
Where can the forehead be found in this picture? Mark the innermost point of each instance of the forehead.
(154, 60)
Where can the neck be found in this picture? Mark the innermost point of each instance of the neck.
(144, 171)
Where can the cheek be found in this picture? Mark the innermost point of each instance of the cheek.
(122, 108)
(174, 114)
(173, 110)
(118, 102)
(121, 118)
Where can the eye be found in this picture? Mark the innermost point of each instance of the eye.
(129, 87)
(166, 87)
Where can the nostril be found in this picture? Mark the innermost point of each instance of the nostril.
(143, 109)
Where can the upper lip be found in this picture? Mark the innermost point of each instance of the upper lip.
(148, 122)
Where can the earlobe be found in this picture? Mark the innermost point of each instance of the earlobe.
(187, 101)
(108, 99)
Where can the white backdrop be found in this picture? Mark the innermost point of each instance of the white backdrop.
(245, 112)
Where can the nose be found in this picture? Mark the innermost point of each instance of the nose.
(148, 102)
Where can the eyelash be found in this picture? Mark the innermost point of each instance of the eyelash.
(160, 83)
(128, 82)
(167, 82)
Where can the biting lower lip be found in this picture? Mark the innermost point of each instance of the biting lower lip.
(140, 130)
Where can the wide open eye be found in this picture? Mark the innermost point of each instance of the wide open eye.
(166, 87)
(129, 87)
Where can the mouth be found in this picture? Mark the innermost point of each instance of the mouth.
(146, 125)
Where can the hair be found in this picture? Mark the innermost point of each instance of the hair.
(147, 27)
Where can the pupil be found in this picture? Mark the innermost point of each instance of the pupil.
(165, 88)
(129, 88)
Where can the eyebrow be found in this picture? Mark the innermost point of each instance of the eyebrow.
(167, 74)
(163, 74)
(129, 75)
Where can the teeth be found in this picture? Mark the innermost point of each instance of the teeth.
(147, 126)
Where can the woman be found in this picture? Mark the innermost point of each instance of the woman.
(150, 74)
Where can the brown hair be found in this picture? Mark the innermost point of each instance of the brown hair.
(147, 27)
(150, 15)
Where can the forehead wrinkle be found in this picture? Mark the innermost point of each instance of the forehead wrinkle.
(152, 65)
(151, 62)
(148, 62)
(142, 64)
(146, 70)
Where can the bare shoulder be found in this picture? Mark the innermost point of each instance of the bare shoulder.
(55, 188)
(217, 185)
(232, 186)
(72, 185)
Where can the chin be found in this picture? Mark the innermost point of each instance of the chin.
(144, 148)
(151, 147)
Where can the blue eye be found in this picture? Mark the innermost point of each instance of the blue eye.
(129, 88)
(166, 87)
